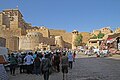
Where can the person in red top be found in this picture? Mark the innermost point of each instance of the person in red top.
(74, 55)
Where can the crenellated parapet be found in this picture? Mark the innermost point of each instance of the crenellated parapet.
(34, 34)
(42, 30)
(29, 41)
(36, 29)
(117, 30)
(106, 30)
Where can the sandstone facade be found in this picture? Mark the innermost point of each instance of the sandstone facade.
(12, 25)
(20, 35)
(117, 30)
(2, 42)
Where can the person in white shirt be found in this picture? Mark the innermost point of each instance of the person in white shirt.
(70, 59)
(29, 63)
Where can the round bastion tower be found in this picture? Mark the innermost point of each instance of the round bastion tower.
(30, 41)
(33, 40)
(74, 35)
(59, 41)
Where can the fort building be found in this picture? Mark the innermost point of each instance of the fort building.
(20, 35)
(12, 25)
(2, 42)
(97, 42)
(117, 30)
(16, 34)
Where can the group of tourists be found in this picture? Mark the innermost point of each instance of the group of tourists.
(42, 62)
(97, 51)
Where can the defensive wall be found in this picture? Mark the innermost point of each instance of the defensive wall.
(16, 31)
(2, 42)
(86, 36)
(42, 30)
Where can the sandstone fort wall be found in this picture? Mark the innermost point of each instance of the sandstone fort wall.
(12, 43)
(59, 41)
(86, 36)
(42, 30)
(56, 32)
(117, 30)
(2, 42)
(12, 26)
(106, 30)
(95, 32)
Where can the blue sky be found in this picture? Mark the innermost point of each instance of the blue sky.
(82, 15)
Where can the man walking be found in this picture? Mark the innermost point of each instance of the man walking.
(45, 67)
(57, 61)
(70, 59)
(13, 64)
(64, 63)
(37, 65)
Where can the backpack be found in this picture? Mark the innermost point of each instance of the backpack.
(57, 59)
(37, 62)
(45, 64)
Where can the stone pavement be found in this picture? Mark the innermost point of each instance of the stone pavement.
(3, 75)
(85, 68)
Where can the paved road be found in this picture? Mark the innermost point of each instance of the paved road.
(85, 68)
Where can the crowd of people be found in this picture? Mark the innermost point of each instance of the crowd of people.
(42, 62)
(97, 51)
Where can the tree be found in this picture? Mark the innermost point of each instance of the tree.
(78, 40)
(100, 35)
